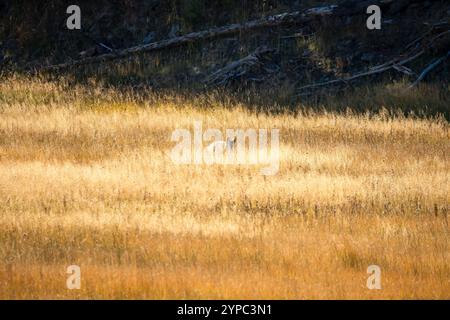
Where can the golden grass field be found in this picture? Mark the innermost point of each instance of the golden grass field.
(86, 179)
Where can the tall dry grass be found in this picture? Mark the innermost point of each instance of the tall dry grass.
(86, 179)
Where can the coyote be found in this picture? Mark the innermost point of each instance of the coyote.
(216, 149)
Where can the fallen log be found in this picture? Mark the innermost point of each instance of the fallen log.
(270, 21)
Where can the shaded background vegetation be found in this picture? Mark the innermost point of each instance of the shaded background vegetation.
(34, 35)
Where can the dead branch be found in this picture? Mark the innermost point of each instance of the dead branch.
(426, 46)
(430, 67)
(433, 27)
(270, 21)
(404, 70)
(395, 64)
(298, 35)
(247, 67)
(85, 34)
(364, 74)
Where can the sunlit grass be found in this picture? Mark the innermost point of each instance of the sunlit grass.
(86, 179)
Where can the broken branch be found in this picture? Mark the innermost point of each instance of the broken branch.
(363, 74)
(245, 67)
(428, 69)
(392, 64)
